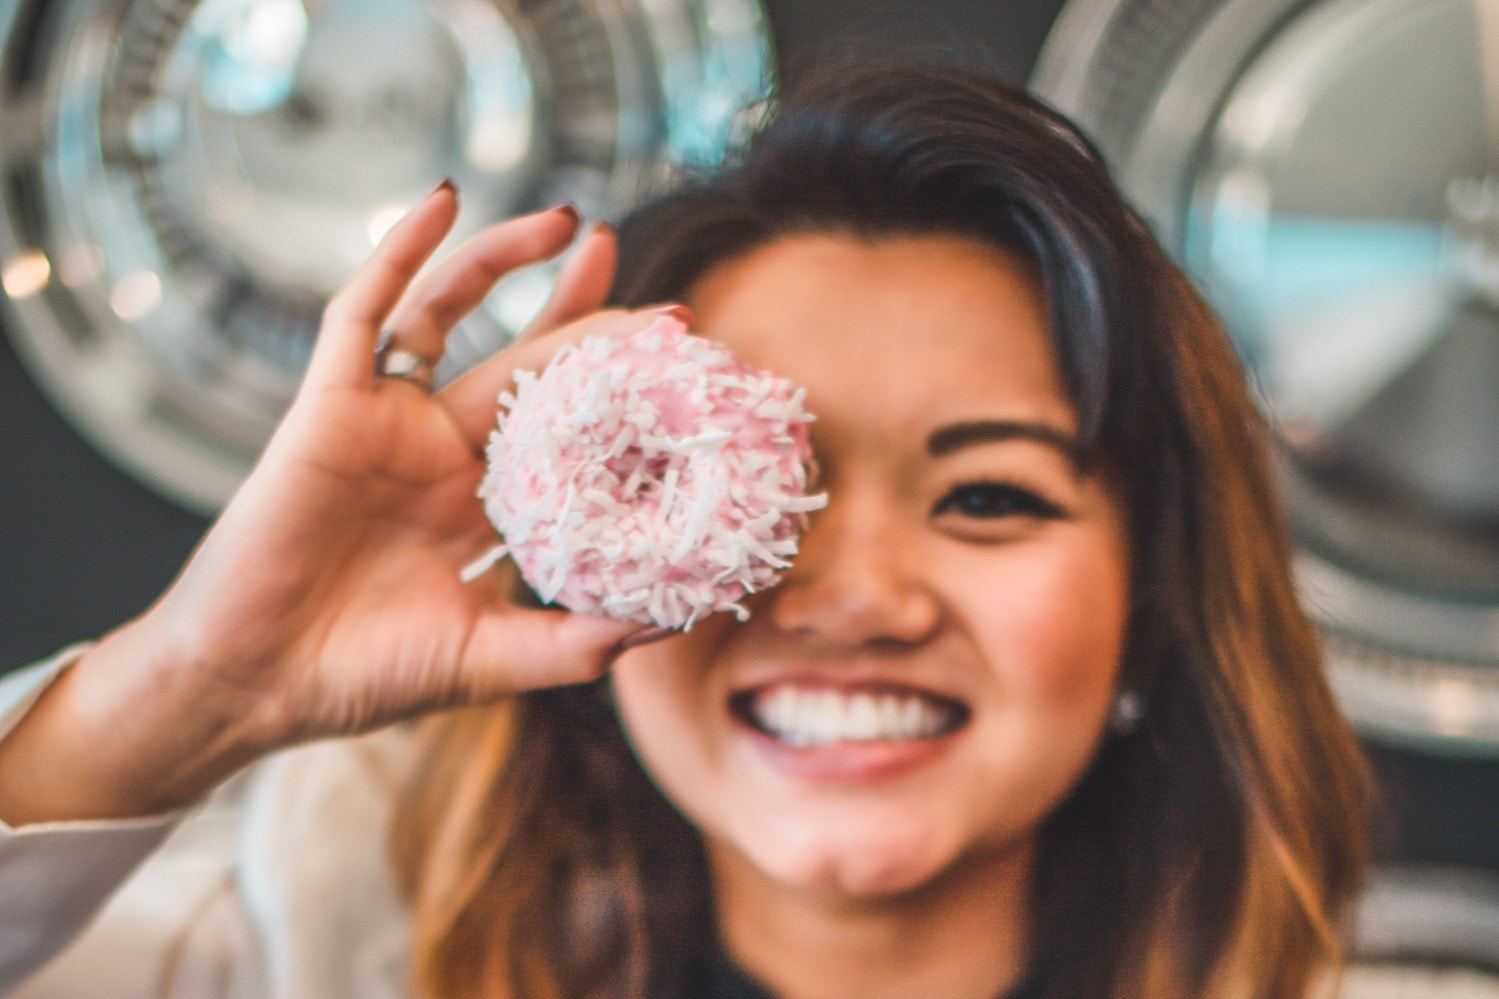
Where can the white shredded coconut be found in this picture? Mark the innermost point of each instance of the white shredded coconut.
(652, 477)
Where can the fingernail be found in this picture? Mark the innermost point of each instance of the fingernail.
(642, 637)
(446, 185)
(603, 226)
(680, 313)
(570, 210)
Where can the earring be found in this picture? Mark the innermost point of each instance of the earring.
(1127, 710)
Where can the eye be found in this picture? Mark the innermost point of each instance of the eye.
(994, 500)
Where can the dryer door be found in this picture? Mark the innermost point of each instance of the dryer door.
(187, 181)
(1326, 172)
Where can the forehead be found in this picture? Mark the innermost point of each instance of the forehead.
(901, 332)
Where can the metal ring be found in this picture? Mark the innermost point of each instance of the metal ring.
(398, 362)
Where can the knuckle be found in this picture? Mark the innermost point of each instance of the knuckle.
(440, 312)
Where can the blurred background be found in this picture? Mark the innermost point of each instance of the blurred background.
(183, 182)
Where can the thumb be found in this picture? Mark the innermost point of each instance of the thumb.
(514, 649)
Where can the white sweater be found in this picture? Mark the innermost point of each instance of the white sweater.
(276, 884)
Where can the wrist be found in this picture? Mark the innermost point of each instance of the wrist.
(129, 729)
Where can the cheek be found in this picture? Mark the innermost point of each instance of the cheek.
(1053, 622)
(1051, 631)
(1047, 621)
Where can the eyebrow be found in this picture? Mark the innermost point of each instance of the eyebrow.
(945, 440)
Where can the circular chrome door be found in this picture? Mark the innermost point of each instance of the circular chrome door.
(1428, 931)
(1326, 172)
(185, 182)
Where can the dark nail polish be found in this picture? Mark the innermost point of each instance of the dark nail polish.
(446, 185)
(571, 211)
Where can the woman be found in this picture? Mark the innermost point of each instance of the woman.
(1052, 540)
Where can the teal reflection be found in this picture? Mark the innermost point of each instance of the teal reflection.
(1264, 272)
(249, 51)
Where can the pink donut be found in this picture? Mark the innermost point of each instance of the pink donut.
(652, 477)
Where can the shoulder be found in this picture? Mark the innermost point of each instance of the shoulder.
(331, 784)
(323, 810)
(312, 859)
(277, 883)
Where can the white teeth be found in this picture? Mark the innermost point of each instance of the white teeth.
(777, 711)
(819, 717)
(827, 717)
(911, 717)
(863, 721)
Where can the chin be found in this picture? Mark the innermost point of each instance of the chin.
(865, 858)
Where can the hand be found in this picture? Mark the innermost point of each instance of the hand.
(326, 599)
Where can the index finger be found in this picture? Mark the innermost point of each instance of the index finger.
(343, 356)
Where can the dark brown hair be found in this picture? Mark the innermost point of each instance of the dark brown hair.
(1213, 851)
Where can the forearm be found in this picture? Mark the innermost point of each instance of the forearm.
(125, 731)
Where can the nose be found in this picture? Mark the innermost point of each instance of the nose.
(853, 581)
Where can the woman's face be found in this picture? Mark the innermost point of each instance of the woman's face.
(932, 674)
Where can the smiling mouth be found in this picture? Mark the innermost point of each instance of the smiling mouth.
(808, 716)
